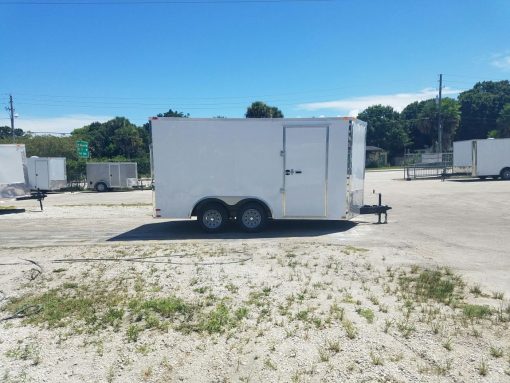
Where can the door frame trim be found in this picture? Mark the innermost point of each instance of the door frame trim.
(284, 151)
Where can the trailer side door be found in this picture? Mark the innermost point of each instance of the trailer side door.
(42, 175)
(305, 171)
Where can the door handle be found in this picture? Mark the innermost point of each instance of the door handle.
(287, 172)
(290, 172)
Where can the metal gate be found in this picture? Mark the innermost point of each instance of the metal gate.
(428, 165)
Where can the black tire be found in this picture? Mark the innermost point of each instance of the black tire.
(212, 217)
(101, 187)
(505, 174)
(252, 217)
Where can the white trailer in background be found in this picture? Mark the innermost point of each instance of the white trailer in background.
(102, 176)
(491, 158)
(483, 158)
(47, 173)
(254, 169)
(13, 171)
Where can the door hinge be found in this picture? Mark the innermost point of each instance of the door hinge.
(282, 153)
(282, 190)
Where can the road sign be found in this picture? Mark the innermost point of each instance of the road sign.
(82, 148)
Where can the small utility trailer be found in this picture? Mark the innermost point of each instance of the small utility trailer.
(13, 171)
(103, 176)
(47, 173)
(483, 158)
(252, 170)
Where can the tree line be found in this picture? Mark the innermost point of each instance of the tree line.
(480, 112)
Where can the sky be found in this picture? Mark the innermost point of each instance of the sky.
(68, 63)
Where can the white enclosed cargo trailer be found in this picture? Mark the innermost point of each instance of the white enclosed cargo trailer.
(483, 158)
(102, 176)
(47, 173)
(13, 171)
(491, 158)
(254, 169)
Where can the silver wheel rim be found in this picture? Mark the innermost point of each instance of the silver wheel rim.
(251, 218)
(212, 219)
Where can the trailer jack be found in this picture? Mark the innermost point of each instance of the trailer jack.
(379, 210)
(38, 195)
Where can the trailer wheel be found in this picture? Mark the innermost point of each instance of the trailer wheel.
(505, 174)
(252, 217)
(212, 217)
(101, 187)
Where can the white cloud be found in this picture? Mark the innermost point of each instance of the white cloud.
(501, 61)
(62, 124)
(398, 101)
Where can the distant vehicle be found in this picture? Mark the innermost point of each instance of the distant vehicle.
(13, 171)
(47, 173)
(483, 158)
(251, 170)
(103, 176)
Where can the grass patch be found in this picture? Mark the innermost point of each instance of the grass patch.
(476, 311)
(85, 308)
(439, 285)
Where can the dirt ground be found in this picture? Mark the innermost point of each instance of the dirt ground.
(105, 293)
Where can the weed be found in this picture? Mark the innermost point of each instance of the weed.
(405, 328)
(336, 311)
(323, 355)
(334, 346)
(374, 300)
(132, 333)
(476, 290)
(498, 295)
(350, 329)
(447, 344)
(232, 288)
(270, 364)
(217, 320)
(476, 311)
(387, 325)
(483, 369)
(366, 313)
(241, 313)
(27, 351)
(201, 290)
(302, 315)
(496, 352)
(376, 359)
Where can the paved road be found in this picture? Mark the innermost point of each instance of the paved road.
(464, 224)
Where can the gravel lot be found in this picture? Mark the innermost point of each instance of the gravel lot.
(117, 296)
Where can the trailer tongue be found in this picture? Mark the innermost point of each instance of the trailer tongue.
(378, 210)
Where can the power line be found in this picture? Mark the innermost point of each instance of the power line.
(162, 2)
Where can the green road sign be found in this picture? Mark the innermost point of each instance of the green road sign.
(82, 148)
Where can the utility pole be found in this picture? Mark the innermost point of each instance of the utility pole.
(439, 121)
(10, 108)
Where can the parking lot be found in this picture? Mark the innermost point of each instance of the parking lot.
(309, 301)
